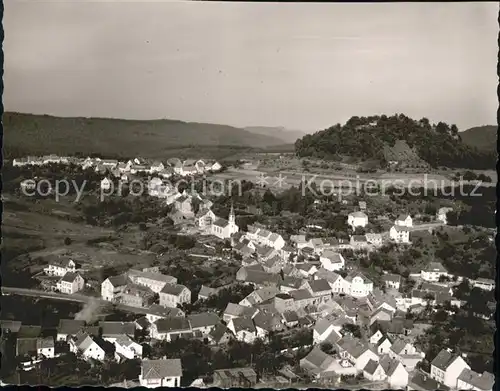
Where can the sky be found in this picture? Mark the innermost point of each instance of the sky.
(304, 66)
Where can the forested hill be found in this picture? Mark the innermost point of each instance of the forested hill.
(369, 138)
(482, 137)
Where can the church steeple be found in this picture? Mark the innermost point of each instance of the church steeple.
(232, 217)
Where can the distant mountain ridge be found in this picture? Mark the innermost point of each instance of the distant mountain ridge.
(41, 134)
(287, 135)
(482, 137)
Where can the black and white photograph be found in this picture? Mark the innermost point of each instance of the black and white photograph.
(249, 195)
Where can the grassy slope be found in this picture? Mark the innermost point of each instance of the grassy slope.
(42, 134)
(482, 137)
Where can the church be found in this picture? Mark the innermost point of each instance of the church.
(224, 229)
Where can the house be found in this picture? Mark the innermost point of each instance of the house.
(403, 350)
(106, 184)
(337, 283)
(421, 381)
(71, 283)
(27, 347)
(356, 352)
(235, 378)
(290, 283)
(442, 214)
(470, 380)
(433, 272)
(357, 219)
(151, 280)
(219, 335)
(111, 331)
(87, 346)
(189, 168)
(236, 311)
(205, 218)
(205, 292)
(265, 237)
(395, 372)
(173, 295)
(204, 322)
(59, 267)
(157, 311)
(302, 298)
(19, 162)
(320, 289)
(69, 328)
(224, 229)
(243, 329)
(359, 242)
(435, 288)
(400, 234)
(156, 187)
(127, 348)
(316, 361)
(142, 323)
(374, 239)
(290, 318)
(392, 280)
(45, 347)
(306, 269)
(255, 277)
(332, 260)
(381, 314)
(259, 295)
(266, 323)
(404, 221)
(484, 283)
(374, 371)
(447, 367)
(176, 164)
(325, 330)
(169, 329)
(299, 241)
(357, 285)
(161, 373)
(283, 302)
(156, 166)
(112, 287)
(137, 296)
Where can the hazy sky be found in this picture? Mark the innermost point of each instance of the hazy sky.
(302, 66)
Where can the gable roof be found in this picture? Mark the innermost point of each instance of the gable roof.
(353, 346)
(204, 319)
(45, 343)
(318, 358)
(117, 328)
(233, 309)
(119, 280)
(436, 267)
(322, 325)
(358, 215)
(389, 364)
(218, 332)
(320, 285)
(443, 360)
(371, 366)
(70, 326)
(482, 381)
(300, 294)
(11, 325)
(425, 382)
(173, 289)
(391, 277)
(159, 369)
(243, 324)
(166, 325)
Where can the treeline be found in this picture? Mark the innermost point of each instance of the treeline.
(364, 138)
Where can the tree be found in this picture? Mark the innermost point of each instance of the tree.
(67, 241)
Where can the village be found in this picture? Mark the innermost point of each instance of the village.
(360, 332)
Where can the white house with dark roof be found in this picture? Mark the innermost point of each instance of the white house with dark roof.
(357, 285)
(374, 372)
(335, 280)
(319, 289)
(112, 287)
(71, 283)
(399, 234)
(357, 352)
(127, 348)
(374, 239)
(332, 261)
(170, 328)
(264, 237)
(259, 295)
(357, 219)
(68, 328)
(392, 281)
(161, 373)
(204, 322)
(323, 330)
(151, 280)
(243, 329)
(111, 330)
(266, 323)
(204, 218)
(404, 221)
(432, 272)
(484, 283)
(470, 380)
(45, 347)
(441, 214)
(59, 267)
(206, 291)
(156, 311)
(86, 345)
(173, 295)
(236, 311)
(447, 367)
(359, 242)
